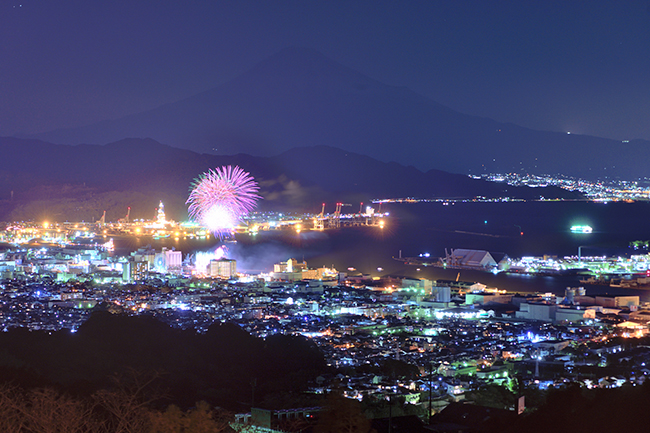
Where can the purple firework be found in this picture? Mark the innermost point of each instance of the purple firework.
(220, 197)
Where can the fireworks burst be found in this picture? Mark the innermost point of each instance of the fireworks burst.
(220, 197)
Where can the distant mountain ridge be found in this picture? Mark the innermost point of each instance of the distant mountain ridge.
(299, 97)
(40, 180)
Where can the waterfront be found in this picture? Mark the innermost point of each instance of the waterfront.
(431, 227)
(459, 339)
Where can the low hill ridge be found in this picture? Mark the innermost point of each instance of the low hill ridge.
(42, 180)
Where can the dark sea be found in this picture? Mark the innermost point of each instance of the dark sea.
(433, 227)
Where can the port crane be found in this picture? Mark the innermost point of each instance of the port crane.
(125, 220)
(319, 221)
(334, 220)
(337, 215)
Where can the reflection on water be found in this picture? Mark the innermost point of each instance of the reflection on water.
(432, 228)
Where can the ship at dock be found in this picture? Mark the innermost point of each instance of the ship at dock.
(581, 229)
(460, 258)
(619, 272)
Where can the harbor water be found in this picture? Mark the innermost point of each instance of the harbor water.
(514, 228)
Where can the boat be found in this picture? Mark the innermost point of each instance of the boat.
(593, 280)
(623, 283)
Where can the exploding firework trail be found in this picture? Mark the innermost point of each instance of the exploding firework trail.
(220, 197)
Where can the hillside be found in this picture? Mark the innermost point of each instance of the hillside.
(40, 180)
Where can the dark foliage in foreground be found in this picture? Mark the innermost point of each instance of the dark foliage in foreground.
(577, 410)
(218, 366)
(124, 408)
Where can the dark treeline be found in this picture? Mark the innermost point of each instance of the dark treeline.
(575, 409)
(221, 366)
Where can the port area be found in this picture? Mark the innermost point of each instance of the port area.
(161, 227)
(614, 271)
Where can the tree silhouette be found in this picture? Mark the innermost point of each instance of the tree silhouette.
(46, 411)
(127, 403)
(342, 415)
(201, 419)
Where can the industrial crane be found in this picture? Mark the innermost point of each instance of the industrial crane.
(125, 220)
(319, 221)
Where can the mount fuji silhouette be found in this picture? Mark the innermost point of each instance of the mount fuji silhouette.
(300, 98)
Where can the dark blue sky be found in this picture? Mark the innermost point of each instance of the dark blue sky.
(579, 66)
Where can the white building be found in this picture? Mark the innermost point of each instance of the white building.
(223, 268)
(168, 261)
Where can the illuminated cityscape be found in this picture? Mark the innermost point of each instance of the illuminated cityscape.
(452, 338)
(604, 190)
(460, 336)
(323, 217)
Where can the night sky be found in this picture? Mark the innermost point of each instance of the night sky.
(579, 66)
